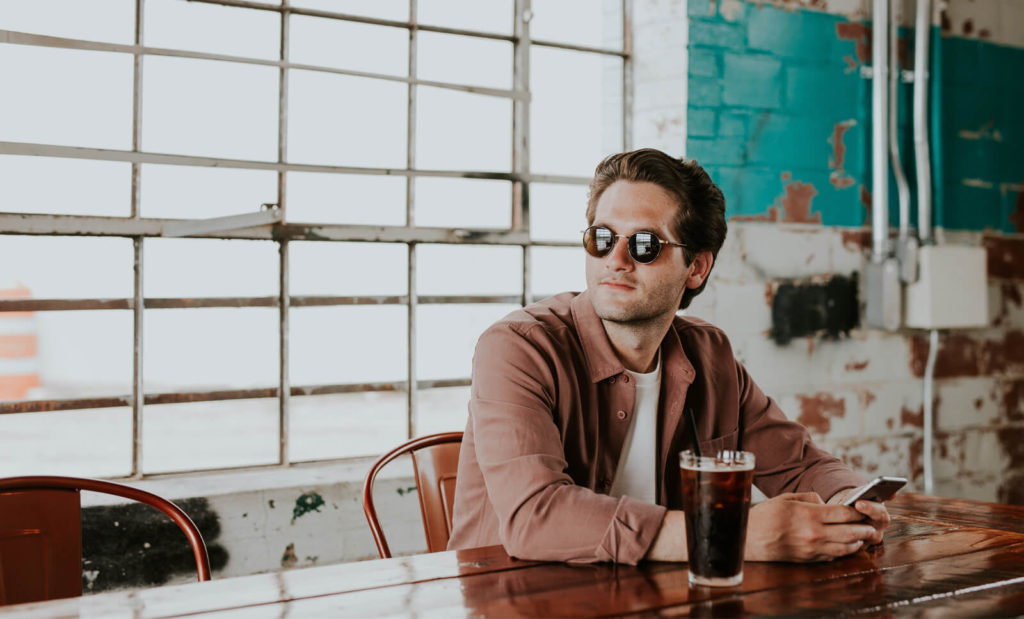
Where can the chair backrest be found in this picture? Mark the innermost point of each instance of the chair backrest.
(41, 534)
(435, 460)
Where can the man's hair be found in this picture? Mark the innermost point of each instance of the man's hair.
(700, 219)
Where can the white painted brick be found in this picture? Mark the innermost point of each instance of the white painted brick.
(845, 256)
(655, 11)
(787, 251)
(983, 453)
(1001, 18)
(705, 305)
(659, 93)
(661, 128)
(855, 10)
(742, 310)
(966, 403)
(870, 458)
(731, 263)
(1006, 304)
(978, 488)
(891, 407)
(838, 424)
(809, 362)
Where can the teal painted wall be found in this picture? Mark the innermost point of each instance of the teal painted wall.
(780, 115)
(980, 131)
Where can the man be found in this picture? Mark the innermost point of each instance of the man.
(576, 414)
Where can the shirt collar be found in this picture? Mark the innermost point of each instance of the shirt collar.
(601, 359)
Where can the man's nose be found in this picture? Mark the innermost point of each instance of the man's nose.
(618, 258)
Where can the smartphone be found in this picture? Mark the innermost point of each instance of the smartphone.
(879, 490)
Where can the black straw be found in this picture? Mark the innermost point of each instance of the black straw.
(693, 432)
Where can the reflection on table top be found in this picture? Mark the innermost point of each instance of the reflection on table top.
(940, 556)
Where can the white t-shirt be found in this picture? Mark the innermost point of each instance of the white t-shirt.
(637, 467)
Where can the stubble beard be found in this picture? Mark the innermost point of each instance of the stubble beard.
(636, 316)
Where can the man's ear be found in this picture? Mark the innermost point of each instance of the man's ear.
(700, 268)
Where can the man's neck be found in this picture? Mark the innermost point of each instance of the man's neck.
(636, 343)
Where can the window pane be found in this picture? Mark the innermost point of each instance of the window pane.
(67, 97)
(199, 435)
(576, 112)
(342, 345)
(335, 426)
(346, 199)
(342, 120)
(183, 192)
(463, 203)
(442, 410)
(111, 21)
(231, 31)
(210, 348)
(447, 336)
(83, 443)
(557, 269)
(67, 354)
(210, 268)
(62, 267)
(580, 22)
(558, 212)
(64, 186)
(210, 108)
(349, 45)
(468, 269)
(397, 10)
(464, 60)
(319, 268)
(462, 131)
(491, 16)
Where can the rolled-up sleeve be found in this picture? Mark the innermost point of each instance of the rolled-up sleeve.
(542, 514)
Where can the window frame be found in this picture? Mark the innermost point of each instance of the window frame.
(273, 225)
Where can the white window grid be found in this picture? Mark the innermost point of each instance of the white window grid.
(275, 225)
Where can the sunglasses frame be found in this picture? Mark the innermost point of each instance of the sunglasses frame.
(630, 243)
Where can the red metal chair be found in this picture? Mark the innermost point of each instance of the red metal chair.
(435, 460)
(41, 534)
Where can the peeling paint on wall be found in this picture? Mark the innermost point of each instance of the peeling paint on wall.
(288, 559)
(839, 178)
(796, 204)
(858, 33)
(136, 545)
(307, 502)
(818, 410)
(1005, 257)
(961, 354)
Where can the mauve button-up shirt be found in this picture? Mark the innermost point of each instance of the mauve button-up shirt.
(549, 409)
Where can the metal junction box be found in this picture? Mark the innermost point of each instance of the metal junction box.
(951, 290)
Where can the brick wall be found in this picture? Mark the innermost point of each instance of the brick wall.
(778, 111)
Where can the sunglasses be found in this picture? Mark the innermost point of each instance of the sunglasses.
(644, 247)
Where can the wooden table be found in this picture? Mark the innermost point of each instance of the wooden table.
(941, 557)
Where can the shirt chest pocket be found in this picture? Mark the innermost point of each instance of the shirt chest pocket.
(726, 442)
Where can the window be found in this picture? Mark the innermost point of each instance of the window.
(240, 234)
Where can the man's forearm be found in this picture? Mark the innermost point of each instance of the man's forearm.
(670, 542)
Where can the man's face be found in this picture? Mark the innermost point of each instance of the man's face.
(621, 289)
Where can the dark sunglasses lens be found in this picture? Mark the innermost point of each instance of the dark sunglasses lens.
(644, 247)
(598, 241)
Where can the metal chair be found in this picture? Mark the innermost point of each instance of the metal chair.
(435, 460)
(41, 534)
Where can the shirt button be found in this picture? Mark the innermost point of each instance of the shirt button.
(625, 378)
(604, 484)
(621, 414)
(611, 381)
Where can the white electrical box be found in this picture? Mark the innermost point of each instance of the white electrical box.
(951, 290)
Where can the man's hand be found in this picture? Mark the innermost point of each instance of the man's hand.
(877, 515)
(800, 527)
